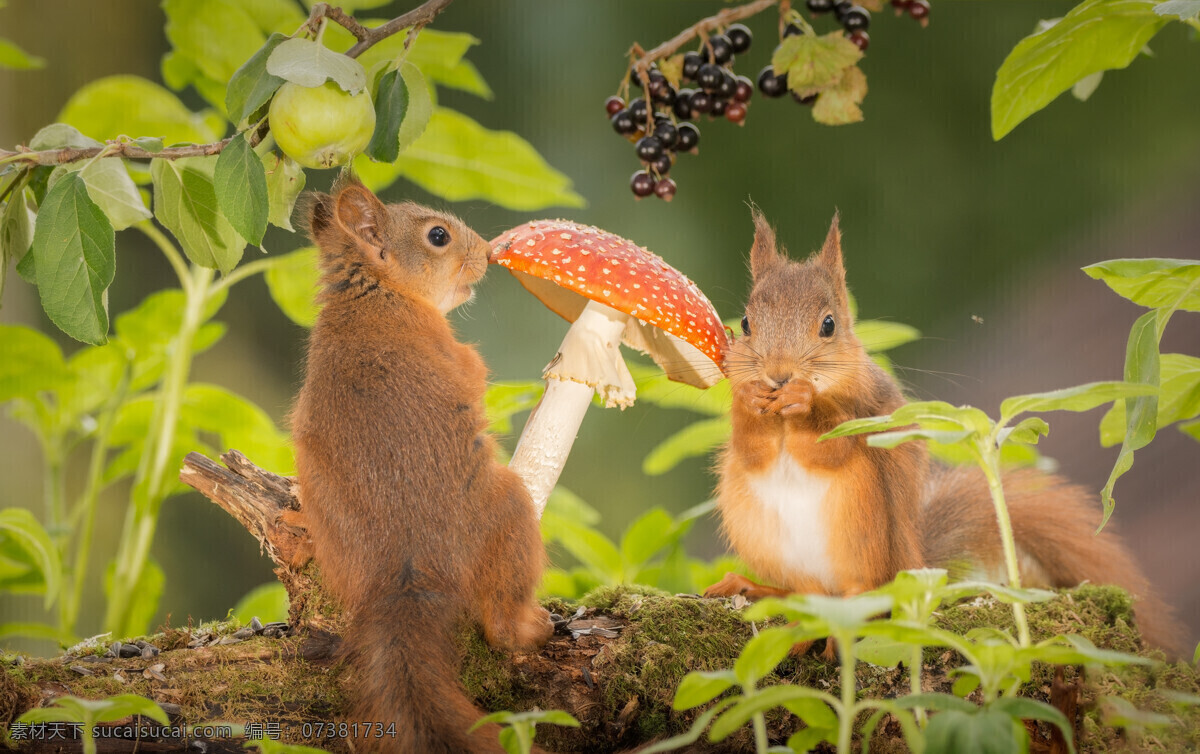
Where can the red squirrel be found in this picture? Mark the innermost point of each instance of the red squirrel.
(840, 517)
(413, 522)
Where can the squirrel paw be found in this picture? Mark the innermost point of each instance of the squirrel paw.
(756, 395)
(793, 398)
(735, 583)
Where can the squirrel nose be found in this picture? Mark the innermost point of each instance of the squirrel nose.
(779, 379)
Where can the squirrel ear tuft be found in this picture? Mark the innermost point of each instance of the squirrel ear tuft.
(359, 213)
(763, 255)
(830, 255)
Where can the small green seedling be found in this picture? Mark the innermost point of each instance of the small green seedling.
(517, 737)
(87, 713)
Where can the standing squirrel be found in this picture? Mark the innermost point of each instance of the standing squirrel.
(841, 517)
(414, 524)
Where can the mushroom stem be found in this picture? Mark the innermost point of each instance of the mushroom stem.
(589, 360)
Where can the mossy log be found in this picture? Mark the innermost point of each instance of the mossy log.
(614, 663)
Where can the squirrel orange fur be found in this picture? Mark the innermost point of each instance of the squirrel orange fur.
(841, 517)
(413, 522)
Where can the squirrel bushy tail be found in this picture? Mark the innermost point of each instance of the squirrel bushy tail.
(1054, 525)
(405, 670)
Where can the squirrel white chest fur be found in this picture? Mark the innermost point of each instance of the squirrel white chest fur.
(795, 496)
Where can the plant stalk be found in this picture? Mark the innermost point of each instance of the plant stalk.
(849, 692)
(990, 463)
(149, 489)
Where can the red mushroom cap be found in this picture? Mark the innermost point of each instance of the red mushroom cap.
(604, 267)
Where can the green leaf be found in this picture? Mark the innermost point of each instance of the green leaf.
(217, 36)
(74, 248)
(150, 329)
(285, 181)
(14, 58)
(655, 387)
(439, 56)
(309, 63)
(838, 105)
(277, 15)
(1019, 708)
(1154, 283)
(110, 187)
(252, 86)
(58, 135)
(292, 282)
(692, 734)
(935, 703)
(19, 525)
(983, 732)
(239, 424)
(650, 533)
(240, 183)
(16, 232)
(1181, 9)
(814, 62)
(761, 654)
(900, 436)
(882, 651)
(590, 547)
(420, 106)
(1027, 431)
(1121, 713)
(767, 699)
(503, 400)
(1078, 398)
(391, 104)
(828, 614)
(565, 503)
(879, 335)
(1141, 413)
(115, 105)
(32, 362)
(1178, 397)
(267, 602)
(696, 439)
(458, 159)
(701, 687)
(1097, 35)
(185, 201)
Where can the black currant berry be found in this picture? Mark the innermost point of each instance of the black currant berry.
(841, 8)
(614, 105)
(688, 136)
(792, 30)
(728, 86)
(623, 123)
(709, 76)
(860, 39)
(662, 165)
(820, 6)
(745, 89)
(701, 102)
(718, 107)
(856, 18)
(919, 9)
(721, 48)
(642, 184)
(683, 104)
(648, 148)
(664, 189)
(638, 109)
(691, 64)
(666, 133)
(736, 112)
(664, 94)
(770, 84)
(740, 37)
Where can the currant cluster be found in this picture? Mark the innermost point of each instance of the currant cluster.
(854, 18)
(657, 122)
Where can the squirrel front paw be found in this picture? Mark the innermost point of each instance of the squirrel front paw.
(793, 398)
(755, 395)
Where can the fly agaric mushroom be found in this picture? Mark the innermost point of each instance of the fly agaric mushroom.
(613, 291)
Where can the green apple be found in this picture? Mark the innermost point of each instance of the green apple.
(321, 126)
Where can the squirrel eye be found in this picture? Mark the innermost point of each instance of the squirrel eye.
(827, 326)
(745, 325)
(438, 236)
